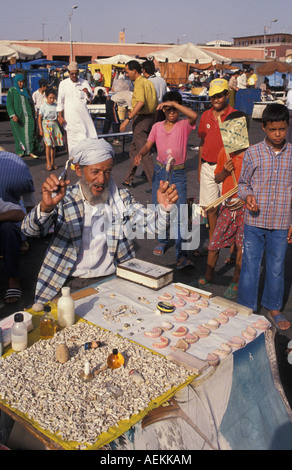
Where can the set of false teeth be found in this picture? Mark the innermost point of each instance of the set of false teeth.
(167, 304)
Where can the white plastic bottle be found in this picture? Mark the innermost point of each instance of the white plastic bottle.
(18, 333)
(66, 308)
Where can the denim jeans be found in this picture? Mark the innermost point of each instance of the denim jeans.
(178, 177)
(274, 244)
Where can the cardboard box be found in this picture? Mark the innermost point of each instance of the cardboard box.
(145, 273)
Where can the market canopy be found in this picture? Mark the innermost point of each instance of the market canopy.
(9, 51)
(117, 59)
(269, 68)
(188, 53)
(44, 63)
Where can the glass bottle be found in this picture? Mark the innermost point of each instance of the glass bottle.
(66, 308)
(115, 359)
(47, 324)
(18, 333)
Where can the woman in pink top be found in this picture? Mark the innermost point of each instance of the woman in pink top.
(171, 138)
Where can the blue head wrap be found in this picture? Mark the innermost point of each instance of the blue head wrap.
(23, 91)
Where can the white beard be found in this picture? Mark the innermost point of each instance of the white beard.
(94, 200)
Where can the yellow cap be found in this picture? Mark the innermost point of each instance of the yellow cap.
(217, 86)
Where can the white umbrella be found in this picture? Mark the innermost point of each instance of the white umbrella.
(9, 50)
(117, 59)
(188, 53)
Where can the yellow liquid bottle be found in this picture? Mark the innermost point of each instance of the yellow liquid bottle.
(115, 359)
(47, 324)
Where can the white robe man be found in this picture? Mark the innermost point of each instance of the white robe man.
(73, 114)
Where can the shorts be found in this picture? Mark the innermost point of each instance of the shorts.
(209, 189)
(229, 229)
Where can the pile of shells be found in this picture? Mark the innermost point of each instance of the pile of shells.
(54, 395)
(119, 313)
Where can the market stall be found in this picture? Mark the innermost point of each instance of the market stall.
(9, 51)
(175, 62)
(187, 381)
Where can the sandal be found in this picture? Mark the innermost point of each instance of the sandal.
(275, 320)
(184, 262)
(202, 282)
(12, 294)
(202, 252)
(159, 250)
(129, 184)
(231, 291)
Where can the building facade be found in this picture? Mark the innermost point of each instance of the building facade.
(84, 52)
(276, 46)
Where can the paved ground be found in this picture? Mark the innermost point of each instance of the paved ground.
(31, 262)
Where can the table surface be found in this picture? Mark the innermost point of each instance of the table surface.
(112, 294)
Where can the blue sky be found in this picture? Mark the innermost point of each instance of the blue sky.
(156, 21)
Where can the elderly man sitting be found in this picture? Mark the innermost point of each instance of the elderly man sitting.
(93, 221)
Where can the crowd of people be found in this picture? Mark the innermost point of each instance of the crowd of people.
(92, 221)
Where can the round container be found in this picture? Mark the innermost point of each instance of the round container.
(66, 308)
(18, 333)
(47, 324)
(115, 359)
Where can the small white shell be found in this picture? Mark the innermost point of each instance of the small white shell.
(38, 307)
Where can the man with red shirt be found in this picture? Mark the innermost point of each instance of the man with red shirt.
(211, 144)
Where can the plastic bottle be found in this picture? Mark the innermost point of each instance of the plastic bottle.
(47, 324)
(66, 308)
(115, 359)
(18, 333)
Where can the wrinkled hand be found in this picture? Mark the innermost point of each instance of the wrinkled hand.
(51, 185)
(166, 195)
(251, 203)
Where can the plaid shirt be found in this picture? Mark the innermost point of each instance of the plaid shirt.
(67, 219)
(267, 175)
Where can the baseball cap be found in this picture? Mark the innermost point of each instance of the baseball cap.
(217, 86)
